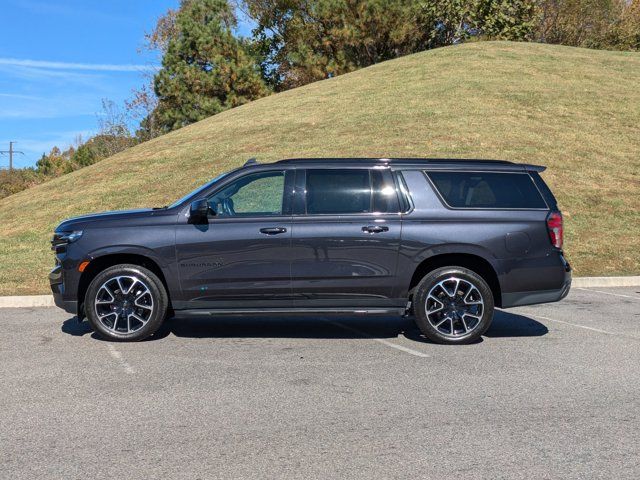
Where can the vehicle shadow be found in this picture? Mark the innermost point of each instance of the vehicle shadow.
(504, 324)
(74, 328)
(507, 324)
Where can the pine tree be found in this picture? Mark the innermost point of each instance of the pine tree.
(206, 69)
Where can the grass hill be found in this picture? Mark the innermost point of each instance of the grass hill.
(575, 110)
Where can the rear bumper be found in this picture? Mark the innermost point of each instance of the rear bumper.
(531, 298)
(517, 299)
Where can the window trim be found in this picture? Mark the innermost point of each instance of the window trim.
(405, 202)
(446, 205)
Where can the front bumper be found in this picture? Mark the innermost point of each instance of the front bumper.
(56, 280)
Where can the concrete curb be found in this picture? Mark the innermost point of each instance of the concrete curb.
(603, 282)
(31, 301)
(27, 301)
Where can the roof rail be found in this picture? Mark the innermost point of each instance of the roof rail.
(396, 160)
(251, 161)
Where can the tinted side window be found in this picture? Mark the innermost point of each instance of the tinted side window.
(260, 194)
(487, 190)
(344, 191)
(338, 191)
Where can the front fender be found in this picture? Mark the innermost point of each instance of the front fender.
(162, 262)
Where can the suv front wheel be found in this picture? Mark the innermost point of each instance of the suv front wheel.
(126, 303)
(453, 305)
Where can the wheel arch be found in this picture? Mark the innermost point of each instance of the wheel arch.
(472, 261)
(100, 263)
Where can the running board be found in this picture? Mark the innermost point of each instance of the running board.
(288, 311)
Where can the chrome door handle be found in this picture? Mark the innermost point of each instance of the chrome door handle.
(375, 229)
(273, 230)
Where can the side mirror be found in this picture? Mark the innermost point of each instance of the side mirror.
(200, 211)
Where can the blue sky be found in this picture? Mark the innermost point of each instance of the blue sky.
(60, 58)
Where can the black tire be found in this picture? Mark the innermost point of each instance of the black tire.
(439, 314)
(139, 307)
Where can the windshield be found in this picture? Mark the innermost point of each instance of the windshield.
(198, 190)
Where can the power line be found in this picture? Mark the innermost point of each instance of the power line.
(10, 152)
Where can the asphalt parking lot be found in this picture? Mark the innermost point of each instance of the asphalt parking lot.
(552, 391)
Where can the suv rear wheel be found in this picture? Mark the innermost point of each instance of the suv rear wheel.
(453, 305)
(126, 303)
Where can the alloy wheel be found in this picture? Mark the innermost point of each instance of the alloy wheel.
(124, 304)
(454, 307)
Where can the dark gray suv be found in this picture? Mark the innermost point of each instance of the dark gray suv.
(443, 240)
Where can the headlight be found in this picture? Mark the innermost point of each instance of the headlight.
(63, 238)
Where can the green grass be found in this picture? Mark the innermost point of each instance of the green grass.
(575, 110)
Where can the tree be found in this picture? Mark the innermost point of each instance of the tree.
(503, 19)
(17, 180)
(141, 108)
(205, 69)
(99, 147)
(84, 156)
(56, 163)
(627, 33)
(304, 41)
(113, 137)
(580, 23)
(166, 29)
(307, 40)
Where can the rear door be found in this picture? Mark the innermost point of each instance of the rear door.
(346, 237)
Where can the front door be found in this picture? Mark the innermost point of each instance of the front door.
(241, 257)
(346, 238)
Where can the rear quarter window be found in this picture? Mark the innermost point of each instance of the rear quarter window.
(487, 190)
(545, 190)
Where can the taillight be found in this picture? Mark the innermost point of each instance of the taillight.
(554, 225)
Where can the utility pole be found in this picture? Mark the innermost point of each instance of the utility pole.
(11, 151)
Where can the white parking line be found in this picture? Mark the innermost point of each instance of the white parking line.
(408, 350)
(118, 356)
(617, 334)
(608, 293)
